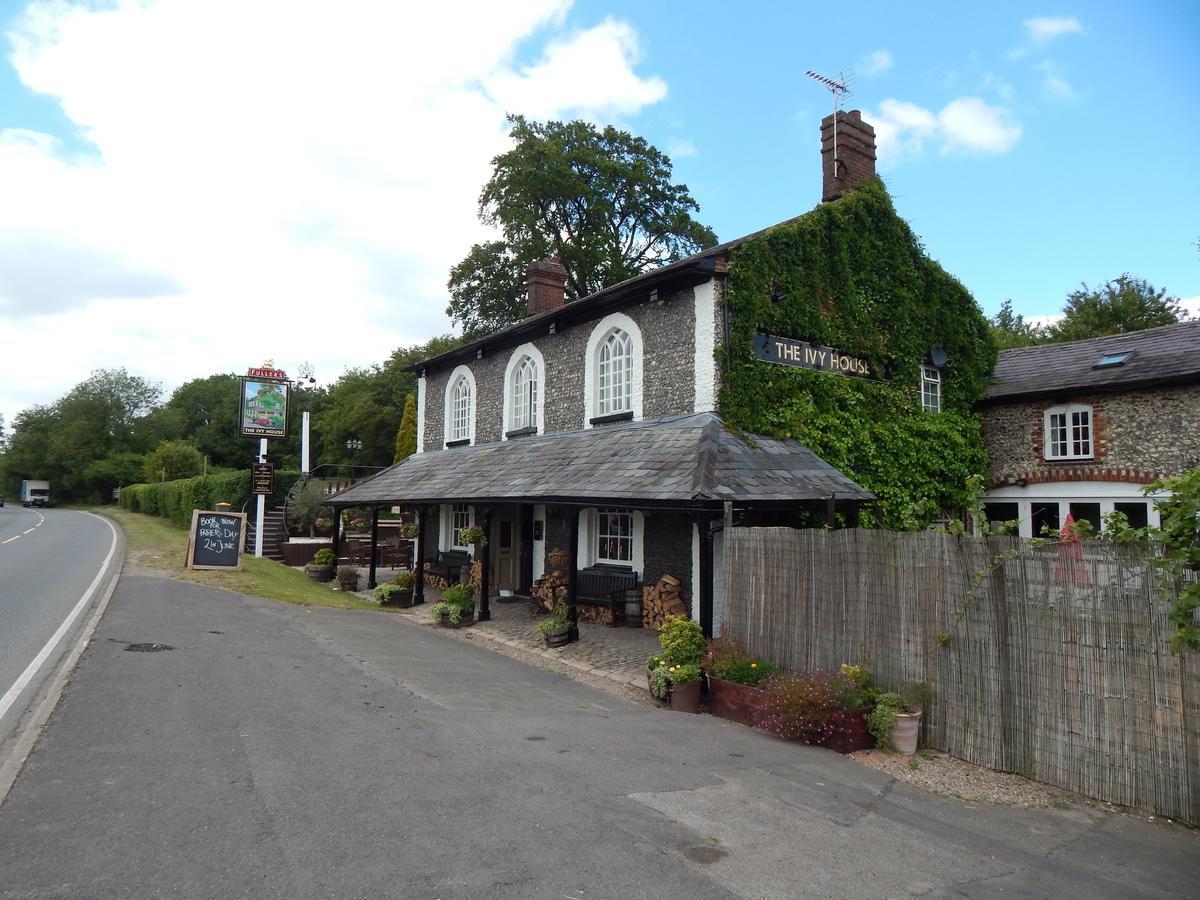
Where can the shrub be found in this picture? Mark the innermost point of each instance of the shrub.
(347, 577)
(458, 600)
(724, 658)
(881, 721)
(682, 640)
(404, 580)
(665, 675)
(557, 619)
(856, 687)
(324, 557)
(383, 593)
(801, 707)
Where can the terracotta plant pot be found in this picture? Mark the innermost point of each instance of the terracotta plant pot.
(736, 702)
(904, 737)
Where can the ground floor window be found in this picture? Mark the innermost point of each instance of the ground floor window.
(614, 536)
(1086, 512)
(1136, 513)
(460, 518)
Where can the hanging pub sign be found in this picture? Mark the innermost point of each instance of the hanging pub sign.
(264, 403)
(804, 355)
(262, 478)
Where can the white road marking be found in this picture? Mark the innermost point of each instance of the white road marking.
(10, 696)
(27, 530)
(13, 538)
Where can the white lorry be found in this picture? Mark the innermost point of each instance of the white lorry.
(35, 493)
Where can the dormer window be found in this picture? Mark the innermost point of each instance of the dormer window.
(460, 407)
(614, 374)
(1068, 431)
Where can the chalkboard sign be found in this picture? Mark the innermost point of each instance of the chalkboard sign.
(215, 541)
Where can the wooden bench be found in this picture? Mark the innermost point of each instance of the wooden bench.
(605, 586)
(449, 565)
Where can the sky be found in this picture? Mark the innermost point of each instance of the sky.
(190, 187)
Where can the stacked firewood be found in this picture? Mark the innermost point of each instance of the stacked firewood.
(549, 589)
(662, 600)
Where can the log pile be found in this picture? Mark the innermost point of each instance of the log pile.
(549, 588)
(661, 600)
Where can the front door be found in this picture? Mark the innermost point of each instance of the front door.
(506, 555)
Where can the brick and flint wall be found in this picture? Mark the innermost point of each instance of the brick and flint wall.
(1137, 436)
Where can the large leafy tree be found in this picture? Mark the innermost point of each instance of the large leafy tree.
(1121, 305)
(1009, 329)
(602, 201)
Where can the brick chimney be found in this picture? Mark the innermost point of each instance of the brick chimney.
(547, 285)
(855, 153)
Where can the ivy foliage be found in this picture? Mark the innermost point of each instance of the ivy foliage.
(852, 275)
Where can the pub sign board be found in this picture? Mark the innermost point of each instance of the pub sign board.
(803, 355)
(264, 407)
(262, 478)
(215, 540)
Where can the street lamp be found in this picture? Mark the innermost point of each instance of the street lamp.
(353, 445)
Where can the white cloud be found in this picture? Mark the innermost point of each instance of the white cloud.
(268, 179)
(1054, 85)
(677, 148)
(1043, 29)
(877, 63)
(965, 125)
(1191, 305)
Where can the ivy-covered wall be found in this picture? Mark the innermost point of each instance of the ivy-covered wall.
(852, 275)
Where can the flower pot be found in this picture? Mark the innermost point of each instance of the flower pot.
(904, 737)
(402, 599)
(559, 559)
(320, 573)
(736, 702)
(558, 637)
(685, 697)
(462, 623)
(848, 731)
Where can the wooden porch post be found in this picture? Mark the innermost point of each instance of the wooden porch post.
(374, 547)
(337, 535)
(706, 576)
(419, 563)
(485, 608)
(573, 579)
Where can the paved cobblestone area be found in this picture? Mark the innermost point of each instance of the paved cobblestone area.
(616, 653)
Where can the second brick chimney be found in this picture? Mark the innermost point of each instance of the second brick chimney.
(855, 153)
(547, 285)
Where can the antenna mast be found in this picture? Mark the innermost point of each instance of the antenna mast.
(841, 88)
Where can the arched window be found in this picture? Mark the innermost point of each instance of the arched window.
(523, 395)
(614, 374)
(459, 413)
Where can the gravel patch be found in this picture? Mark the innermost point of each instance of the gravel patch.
(938, 773)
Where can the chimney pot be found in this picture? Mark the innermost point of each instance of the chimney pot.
(855, 153)
(547, 285)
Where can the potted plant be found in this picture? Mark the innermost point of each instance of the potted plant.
(456, 608)
(347, 577)
(677, 685)
(399, 592)
(410, 531)
(733, 682)
(321, 567)
(473, 535)
(558, 559)
(556, 627)
(894, 723)
(857, 696)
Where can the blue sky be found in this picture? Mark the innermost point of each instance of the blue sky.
(176, 172)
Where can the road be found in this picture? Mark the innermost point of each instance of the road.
(49, 562)
(211, 745)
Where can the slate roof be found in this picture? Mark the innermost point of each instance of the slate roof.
(1166, 355)
(682, 461)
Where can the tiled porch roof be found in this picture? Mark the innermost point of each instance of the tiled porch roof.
(682, 461)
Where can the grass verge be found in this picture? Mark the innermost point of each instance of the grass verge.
(155, 545)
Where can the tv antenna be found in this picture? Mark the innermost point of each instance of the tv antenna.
(841, 87)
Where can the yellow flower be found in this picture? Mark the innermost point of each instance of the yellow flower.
(754, 665)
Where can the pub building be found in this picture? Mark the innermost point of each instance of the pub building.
(599, 427)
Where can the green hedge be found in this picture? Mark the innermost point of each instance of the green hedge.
(175, 500)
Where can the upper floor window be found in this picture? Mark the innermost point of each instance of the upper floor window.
(524, 395)
(1068, 431)
(614, 374)
(460, 406)
(931, 389)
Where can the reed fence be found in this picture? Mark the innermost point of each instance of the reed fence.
(1058, 668)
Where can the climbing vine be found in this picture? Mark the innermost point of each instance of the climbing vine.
(852, 275)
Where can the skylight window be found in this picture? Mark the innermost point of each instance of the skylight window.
(1113, 359)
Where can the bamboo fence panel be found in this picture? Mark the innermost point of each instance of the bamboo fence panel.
(1058, 668)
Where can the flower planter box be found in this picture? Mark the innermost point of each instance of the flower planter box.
(462, 623)
(849, 731)
(401, 599)
(736, 702)
(685, 697)
(558, 637)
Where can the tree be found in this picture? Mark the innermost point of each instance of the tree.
(171, 460)
(1010, 329)
(601, 201)
(1122, 305)
(204, 411)
(406, 437)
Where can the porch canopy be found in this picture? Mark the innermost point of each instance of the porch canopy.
(689, 464)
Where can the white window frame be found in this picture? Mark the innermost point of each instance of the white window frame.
(589, 539)
(520, 355)
(450, 530)
(621, 538)
(931, 389)
(591, 374)
(1073, 445)
(461, 374)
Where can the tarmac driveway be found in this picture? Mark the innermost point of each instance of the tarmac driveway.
(281, 751)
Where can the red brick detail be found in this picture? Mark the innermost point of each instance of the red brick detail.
(547, 286)
(855, 153)
(1085, 471)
